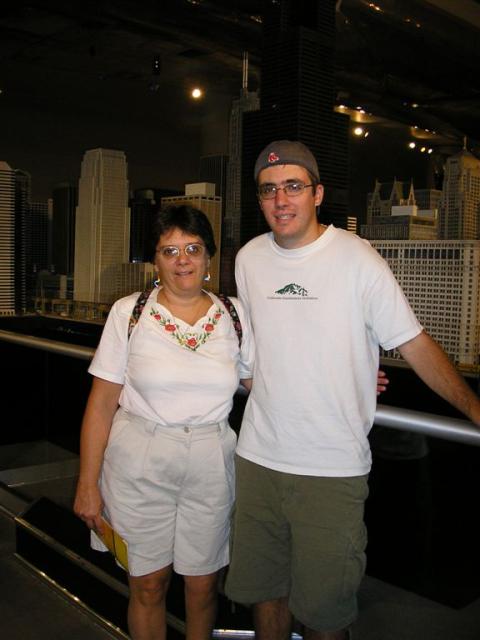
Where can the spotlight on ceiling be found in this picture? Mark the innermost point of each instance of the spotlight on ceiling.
(156, 66)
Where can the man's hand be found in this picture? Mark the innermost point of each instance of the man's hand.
(382, 382)
(432, 365)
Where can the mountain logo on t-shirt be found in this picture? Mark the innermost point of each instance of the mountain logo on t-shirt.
(292, 289)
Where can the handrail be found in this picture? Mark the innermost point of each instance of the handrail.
(45, 344)
(427, 424)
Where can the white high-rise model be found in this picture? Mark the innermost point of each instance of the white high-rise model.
(459, 213)
(102, 227)
(7, 239)
(441, 279)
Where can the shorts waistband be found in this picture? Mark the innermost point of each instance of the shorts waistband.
(199, 429)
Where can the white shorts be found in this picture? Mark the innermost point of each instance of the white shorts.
(169, 493)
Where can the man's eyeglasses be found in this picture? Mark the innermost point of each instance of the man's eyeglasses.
(292, 189)
(192, 250)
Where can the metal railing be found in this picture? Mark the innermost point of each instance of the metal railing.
(44, 344)
(428, 424)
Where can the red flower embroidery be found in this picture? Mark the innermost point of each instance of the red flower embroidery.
(188, 339)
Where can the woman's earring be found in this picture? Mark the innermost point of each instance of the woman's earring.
(207, 277)
(156, 282)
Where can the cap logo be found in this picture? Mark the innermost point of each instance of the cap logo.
(272, 157)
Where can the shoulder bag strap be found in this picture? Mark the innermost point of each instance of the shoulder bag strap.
(137, 310)
(233, 314)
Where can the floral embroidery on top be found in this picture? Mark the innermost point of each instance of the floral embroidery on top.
(189, 339)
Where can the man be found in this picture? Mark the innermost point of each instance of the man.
(321, 302)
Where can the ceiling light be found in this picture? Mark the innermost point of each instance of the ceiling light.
(430, 150)
(423, 149)
(358, 131)
(196, 93)
(411, 145)
(156, 66)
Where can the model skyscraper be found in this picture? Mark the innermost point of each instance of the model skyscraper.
(460, 203)
(102, 226)
(297, 103)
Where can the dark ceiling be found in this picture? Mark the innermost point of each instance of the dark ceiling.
(404, 62)
(391, 54)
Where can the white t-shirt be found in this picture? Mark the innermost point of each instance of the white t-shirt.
(172, 373)
(318, 315)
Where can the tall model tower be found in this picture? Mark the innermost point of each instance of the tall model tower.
(213, 169)
(14, 202)
(297, 101)
(63, 227)
(248, 101)
(233, 205)
(7, 239)
(460, 202)
(102, 226)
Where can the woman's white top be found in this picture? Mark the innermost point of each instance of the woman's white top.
(171, 372)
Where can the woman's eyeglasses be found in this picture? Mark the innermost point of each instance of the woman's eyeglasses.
(192, 250)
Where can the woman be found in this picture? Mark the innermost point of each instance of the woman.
(156, 453)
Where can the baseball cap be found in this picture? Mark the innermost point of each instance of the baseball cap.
(287, 152)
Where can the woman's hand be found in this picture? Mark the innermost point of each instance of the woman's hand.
(88, 506)
(382, 382)
(97, 421)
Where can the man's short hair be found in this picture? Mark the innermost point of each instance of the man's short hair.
(287, 152)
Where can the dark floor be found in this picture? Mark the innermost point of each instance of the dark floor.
(31, 609)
